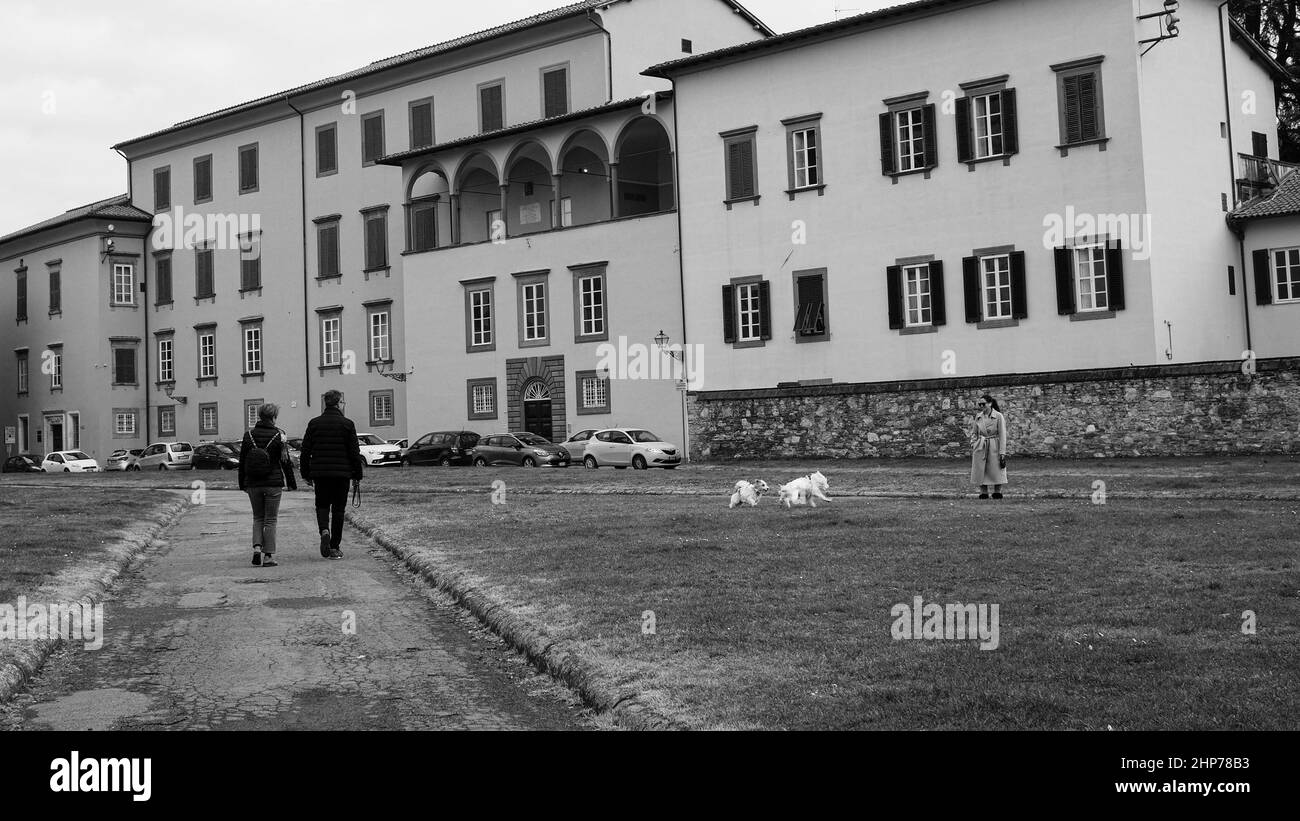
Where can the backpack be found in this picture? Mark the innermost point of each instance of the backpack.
(258, 464)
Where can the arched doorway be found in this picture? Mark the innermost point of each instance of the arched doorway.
(537, 409)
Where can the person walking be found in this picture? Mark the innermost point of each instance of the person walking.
(331, 462)
(263, 475)
(988, 464)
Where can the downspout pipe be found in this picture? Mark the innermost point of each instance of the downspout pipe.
(302, 185)
(1236, 226)
(144, 296)
(609, 56)
(681, 257)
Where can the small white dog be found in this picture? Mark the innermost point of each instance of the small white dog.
(805, 490)
(747, 493)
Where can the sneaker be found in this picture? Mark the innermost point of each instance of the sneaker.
(257, 558)
(997, 495)
(335, 554)
(984, 495)
(325, 543)
(270, 561)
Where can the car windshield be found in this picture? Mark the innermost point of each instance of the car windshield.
(643, 436)
(76, 455)
(181, 447)
(370, 439)
(531, 439)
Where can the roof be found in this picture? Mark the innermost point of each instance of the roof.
(118, 208)
(822, 31)
(1283, 202)
(473, 139)
(1258, 51)
(564, 12)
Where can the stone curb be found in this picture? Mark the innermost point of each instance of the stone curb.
(80, 583)
(560, 659)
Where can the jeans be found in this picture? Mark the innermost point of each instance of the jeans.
(331, 504)
(266, 509)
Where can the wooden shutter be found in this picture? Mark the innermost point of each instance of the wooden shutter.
(728, 313)
(424, 218)
(248, 168)
(1010, 123)
(1263, 278)
(124, 365)
(422, 125)
(330, 236)
(764, 310)
(894, 295)
(203, 285)
(1088, 120)
(1073, 122)
(555, 92)
(1019, 291)
(490, 106)
(250, 273)
(372, 138)
(970, 275)
(931, 136)
(1259, 144)
(938, 299)
(203, 179)
(1115, 275)
(740, 169)
(810, 315)
(22, 297)
(326, 151)
(888, 165)
(1065, 296)
(162, 189)
(376, 246)
(163, 290)
(56, 291)
(965, 151)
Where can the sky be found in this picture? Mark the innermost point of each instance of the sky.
(77, 76)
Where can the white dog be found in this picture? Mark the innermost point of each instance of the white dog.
(747, 493)
(805, 490)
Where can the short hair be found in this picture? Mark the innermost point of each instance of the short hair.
(268, 412)
(333, 398)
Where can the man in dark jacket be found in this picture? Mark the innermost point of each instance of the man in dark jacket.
(264, 481)
(330, 462)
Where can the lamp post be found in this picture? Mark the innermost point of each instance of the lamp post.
(683, 385)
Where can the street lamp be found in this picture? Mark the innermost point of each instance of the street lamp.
(1170, 24)
(662, 342)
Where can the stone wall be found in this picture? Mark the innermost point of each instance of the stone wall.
(1176, 410)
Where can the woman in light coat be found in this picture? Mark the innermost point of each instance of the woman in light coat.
(988, 463)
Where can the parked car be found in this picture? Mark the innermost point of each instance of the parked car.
(378, 452)
(123, 459)
(22, 463)
(69, 461)
(526, 449)
(401, 443)
(167, 456)
(576, 444)
(216, 456)
(445, 448)
(635, 447)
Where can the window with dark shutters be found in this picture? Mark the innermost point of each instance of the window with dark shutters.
(729, 312)
(203, 281)
(124, 366)
(1259, 144)
(894, 290)
(327, 156)
(423, 218)
(202, 179)
(970, 271)
(248, 168)
(810, 314)
(372, 137)
(250, 272)
(327, 251)
(1081, 113)
(22, 296)
(1263, 278)
(1019, 289)
(56, 292)
(162, 280)
(376, 242)
(162, 189)
(1065, 293)
(422, 125)
(490, 108)
(555, 92)
(740, 169)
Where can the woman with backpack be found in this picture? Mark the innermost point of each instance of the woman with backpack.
(264, 470)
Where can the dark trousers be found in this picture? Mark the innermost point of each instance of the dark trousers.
(331, 504)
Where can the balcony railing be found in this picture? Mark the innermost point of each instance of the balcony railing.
(1260, 176)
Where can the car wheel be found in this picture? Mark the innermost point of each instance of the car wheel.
(67, 470)
(529, 462)
(136, 468)
(480, 462)
(445, 462)
(638, 462)
(161, 468)
(590, 463)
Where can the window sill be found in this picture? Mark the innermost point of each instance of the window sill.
(163, 385)
(23, 394)
(133, 385)
(324, 369)
(56, 313)
(1100, 142)
(330, 277)
(1088, 316)
(252, 190)
(793, 192)
(800, 339)
(244, 291)
(580, 339)
(199, 300)
(385, 270)
(925, 172)
(20, 320)
(260, 376)
(115, 305)
(481, 349)
(1005, 159)
(991, 324)
(534, 343)
(326, 173)
(56, 390)
(917, 330)
(752, 343)
(203, 201)
(202, 380)
(167, 304)
(730, 203)
(482, 417)
(373, 364)
(601, 411)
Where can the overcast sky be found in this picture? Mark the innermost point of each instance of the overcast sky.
(77, 76)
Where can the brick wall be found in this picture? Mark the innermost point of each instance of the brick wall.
(1207, 408)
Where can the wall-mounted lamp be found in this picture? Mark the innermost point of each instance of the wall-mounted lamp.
(662, 342)
(385, 370)
(1169, 24)
(109, 245)
(170, 390)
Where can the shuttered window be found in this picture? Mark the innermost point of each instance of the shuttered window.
(248, 170)
(908, 140)
(491, 110)
(124, 366)
(203, 280)
(422, 124)
(424, 227)
(987, 125)
(162, 188)
(21, 296)
(327, 250)
(741, 171)
(56, 291)
(747, 312)
(372, 137)
(810, 306)
(1079, 90)
(327, 153)
(203, 179)
(250, 264)
(376, 240)
(162, 288)
(555, 92)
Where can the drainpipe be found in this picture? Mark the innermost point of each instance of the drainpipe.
(681, 254)
(609, 56)
(144, 295)
(1238, 229)
(302, 184)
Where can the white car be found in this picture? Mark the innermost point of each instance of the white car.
(376, 451)
(69, 461)
(635, 447)
(166, 456)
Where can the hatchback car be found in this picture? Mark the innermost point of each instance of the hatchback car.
(167, 456)
(123, 459)
(69, 461)
(378, 452)
(445, 448)
(22, 463)
(635, 447)
(216, 456)
(526, 449)
(576, 444)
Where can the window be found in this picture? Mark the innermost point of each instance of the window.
(687, 46)
(482, 398)
(911, 140)
(491, 106)
(248, 168)
(1079, 97)
(124, 365)
(421, 115)
(250, 263)
(589, 304)
(916, 279)
(207, 354)
(496, 225)
(208, 419)
(123, 284)
(166, 359)
(1277, 275)
(593, 393)
(204, 285)
(1090, 279)
(1090, 274)
(56, 290)
(162, 188)
(331, 340)
(424, 226)
(327, 150)
(908, 137)
(123, 423)
(56, 367)
(376, 239)
(555, 91)
(986, 121)
(742, 172)
(994, 281)
(803, 153)
(810, 314)
(252, 348)
(167, 421)
(478, 316)
(202, 179)
(372, 137)
(381, 409)
(380, 337)
(747, 312)
(21, 312)
(564, 216)
(533, 329)
(163, 279)
(21, 368)
(995, 278)
(327, 249)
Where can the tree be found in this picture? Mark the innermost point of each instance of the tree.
(1276, 25)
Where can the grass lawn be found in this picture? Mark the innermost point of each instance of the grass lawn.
(47, 529)
(1126, 615)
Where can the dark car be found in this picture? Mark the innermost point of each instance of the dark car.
(216, 456)
(23, 463)
(526, 449)
(446, 448)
